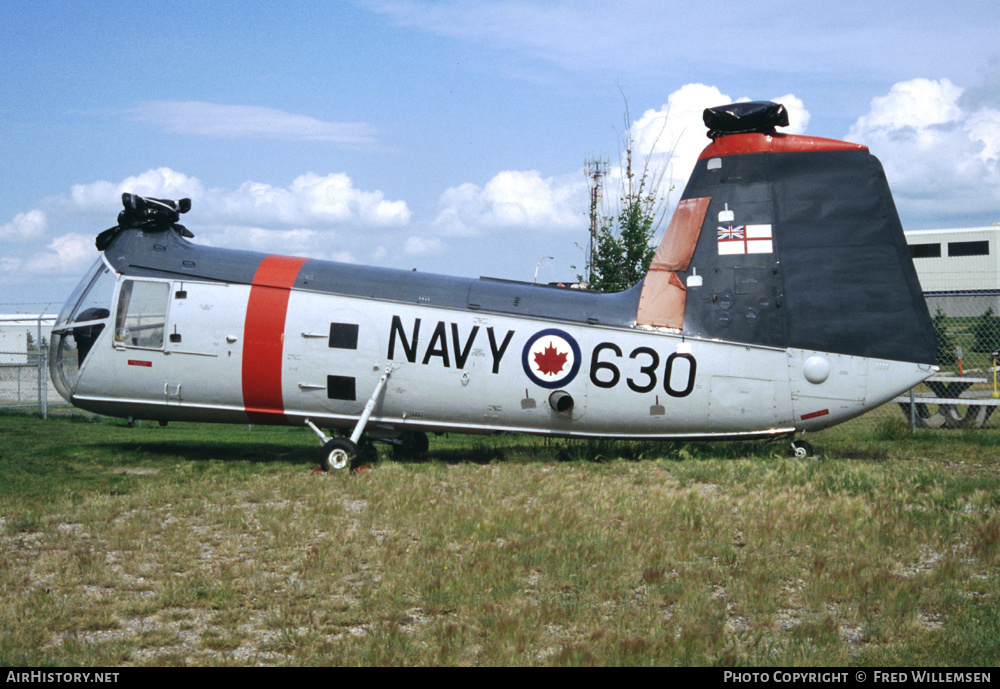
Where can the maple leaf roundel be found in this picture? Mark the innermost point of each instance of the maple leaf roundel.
(551, 358)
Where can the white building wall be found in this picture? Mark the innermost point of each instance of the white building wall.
(13, 346)
(958, 259)
(14, 329)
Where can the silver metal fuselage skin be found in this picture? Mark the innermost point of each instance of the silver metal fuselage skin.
(461, 370)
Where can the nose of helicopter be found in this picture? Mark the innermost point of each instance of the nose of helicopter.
(80, 324)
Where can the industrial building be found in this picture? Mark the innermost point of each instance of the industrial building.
(962, 264)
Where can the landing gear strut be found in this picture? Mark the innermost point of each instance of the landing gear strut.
(337, 453)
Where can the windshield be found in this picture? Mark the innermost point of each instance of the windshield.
(91, 297)
(79, 325)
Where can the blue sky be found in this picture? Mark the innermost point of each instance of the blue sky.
(450, 136)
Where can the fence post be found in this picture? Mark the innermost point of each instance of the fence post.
(913, 413)
(38, 361)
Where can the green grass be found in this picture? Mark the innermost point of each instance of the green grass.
(218, 545)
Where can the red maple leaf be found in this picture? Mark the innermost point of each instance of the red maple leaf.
(550, 361)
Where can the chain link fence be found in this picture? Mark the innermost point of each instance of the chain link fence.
(964, 394)
(24, 370)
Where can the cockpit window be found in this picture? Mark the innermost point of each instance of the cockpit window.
(92, 296)
(80, 325)
(142, 313)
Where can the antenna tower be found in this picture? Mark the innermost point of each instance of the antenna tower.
(595, 169)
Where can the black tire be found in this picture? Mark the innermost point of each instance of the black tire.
(411, 445)
(417, 442)
(338, 454)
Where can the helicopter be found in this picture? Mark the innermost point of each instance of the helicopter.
(781, 300)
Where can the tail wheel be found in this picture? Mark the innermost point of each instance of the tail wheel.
(337, 454)
(802, 449)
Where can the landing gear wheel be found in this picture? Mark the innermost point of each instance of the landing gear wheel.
(416, 442)
(801, 449)
(337, 454)
(410, 445)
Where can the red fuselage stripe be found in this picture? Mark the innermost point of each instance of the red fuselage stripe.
(264, 338)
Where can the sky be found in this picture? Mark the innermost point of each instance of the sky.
(451, 137)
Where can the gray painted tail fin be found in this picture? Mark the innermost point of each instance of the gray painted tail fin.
(789, 241)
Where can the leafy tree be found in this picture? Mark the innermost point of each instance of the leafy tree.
(987, 332)
(624, 248)
(33, 349)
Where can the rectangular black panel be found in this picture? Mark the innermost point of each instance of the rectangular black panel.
(752, 280)
(340, 388)
(344, 335)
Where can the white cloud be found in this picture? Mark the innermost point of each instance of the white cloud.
(672, 136)
(293, 242)
(321, 216)
(298, 242)
(9, 268)
(675, 134)
(25, 226)
(420, 246)
(65, 254)
(919, 103)
(983, 126)
(334, 198)
(249, 122)
(309, 199)
(940, 158)
(105, 197)
(798, 116)
(514, 199)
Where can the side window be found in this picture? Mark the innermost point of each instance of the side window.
(142, 313)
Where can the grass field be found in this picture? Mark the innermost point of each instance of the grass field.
(217, 545)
